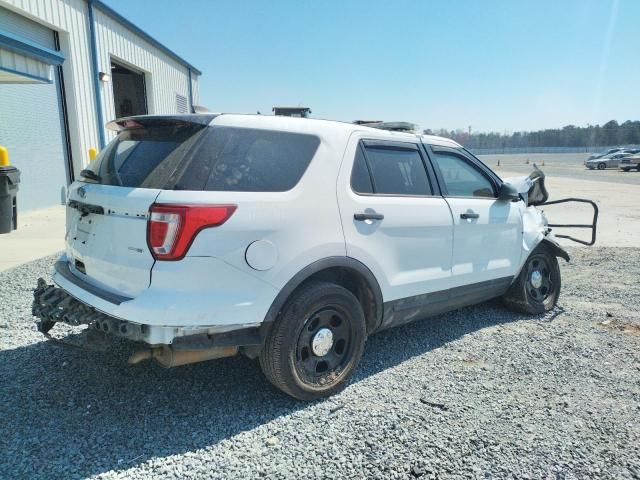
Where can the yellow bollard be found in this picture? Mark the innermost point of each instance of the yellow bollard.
(4, 157)
(93, 153)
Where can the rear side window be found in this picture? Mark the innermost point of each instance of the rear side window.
(247, 160)
(395, 171)
(193, 157)
(360, 177)
(144, 157)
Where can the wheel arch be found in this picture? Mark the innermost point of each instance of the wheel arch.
(550, 244)
(555, 248)
(344, 271)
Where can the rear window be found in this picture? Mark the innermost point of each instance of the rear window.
(397, 171)
(193, 157)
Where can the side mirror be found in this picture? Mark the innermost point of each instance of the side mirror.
(508, 192)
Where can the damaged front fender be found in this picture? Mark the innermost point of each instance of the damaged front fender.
(536, 231)
(556, 249)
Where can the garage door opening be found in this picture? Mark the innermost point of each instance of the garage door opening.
(129, 93)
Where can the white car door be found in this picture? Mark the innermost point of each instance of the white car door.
(397, 224)
(487, 232)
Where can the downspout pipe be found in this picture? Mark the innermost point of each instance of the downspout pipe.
(95, 71)
(191, 92)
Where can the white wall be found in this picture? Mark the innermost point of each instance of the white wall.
(164, 76)
(196, 89)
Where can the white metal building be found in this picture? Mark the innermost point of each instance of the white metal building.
(67, 67)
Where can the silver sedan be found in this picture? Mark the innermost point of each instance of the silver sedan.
(608, 161)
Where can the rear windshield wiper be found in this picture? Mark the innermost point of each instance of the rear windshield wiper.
(91, 175)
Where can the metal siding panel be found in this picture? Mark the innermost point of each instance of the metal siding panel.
(25, 28)
(196, 89)
(166, 76)
(31, 68)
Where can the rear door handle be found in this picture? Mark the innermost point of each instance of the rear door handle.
(469, 215)
(361, 217)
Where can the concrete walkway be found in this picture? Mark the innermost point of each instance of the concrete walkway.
(40, 233)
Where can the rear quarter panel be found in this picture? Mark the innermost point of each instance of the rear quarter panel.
(303, 224)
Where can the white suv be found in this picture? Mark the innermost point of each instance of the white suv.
(290, 240)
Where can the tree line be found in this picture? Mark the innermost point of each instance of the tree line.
(610, 134)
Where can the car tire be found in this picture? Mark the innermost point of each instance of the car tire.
(537, 287)
(625, 169)
(316, 342)
(639, 167)
(602, 166)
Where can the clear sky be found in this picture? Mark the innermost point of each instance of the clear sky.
(496, 65)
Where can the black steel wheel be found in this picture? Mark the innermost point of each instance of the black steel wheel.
(537, 288)
(539, 283)
(324, 346)
(316, 342)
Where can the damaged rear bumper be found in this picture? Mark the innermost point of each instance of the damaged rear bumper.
(52, 304)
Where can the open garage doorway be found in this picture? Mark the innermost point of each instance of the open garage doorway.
(129, 92)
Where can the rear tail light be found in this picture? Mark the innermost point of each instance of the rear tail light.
(172, 228)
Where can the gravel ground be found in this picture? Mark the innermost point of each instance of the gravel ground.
(480, 392)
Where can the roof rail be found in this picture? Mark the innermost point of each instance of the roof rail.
(391, 126)
(303, 112)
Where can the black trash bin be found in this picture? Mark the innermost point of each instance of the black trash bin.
(9, 180)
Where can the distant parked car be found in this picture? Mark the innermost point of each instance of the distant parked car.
(605, 153)
(608, 161)
(630, 162)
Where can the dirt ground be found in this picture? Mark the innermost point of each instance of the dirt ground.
(569, 165)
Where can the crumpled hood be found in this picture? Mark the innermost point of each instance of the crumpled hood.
(531, 186)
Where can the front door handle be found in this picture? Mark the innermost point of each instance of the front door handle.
(361, 217)
(469, 215)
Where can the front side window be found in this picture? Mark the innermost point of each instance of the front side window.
(461, 178)
(394, 171)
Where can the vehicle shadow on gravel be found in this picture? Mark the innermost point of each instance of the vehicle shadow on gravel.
(70, 411)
